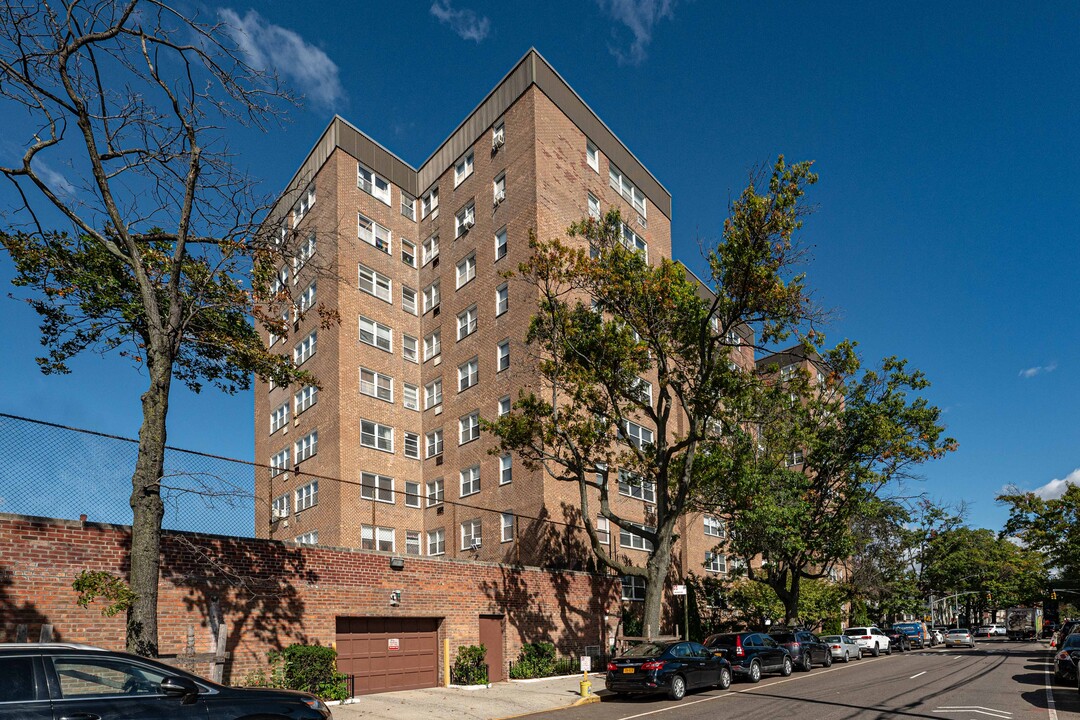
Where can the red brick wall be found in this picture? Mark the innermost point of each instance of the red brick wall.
(273, 594)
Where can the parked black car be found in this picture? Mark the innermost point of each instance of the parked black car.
(751, 654)
(1066, 658)
(671, 667)
(805, 648)
(898, 639)
(1048, 630)
(50, 681)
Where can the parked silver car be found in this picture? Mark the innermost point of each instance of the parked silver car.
(959, 637)
(843, 648)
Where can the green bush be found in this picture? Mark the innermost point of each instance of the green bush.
(536, 660)
(313, 669)
(469, 666)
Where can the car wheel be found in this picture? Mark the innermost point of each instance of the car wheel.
(828, 660)
(807, 663)
(847, 656)
(888, 649)
(725, 679)
(876, 651)
(755, 670)
(678, 688)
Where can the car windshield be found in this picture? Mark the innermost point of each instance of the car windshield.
(958, 631)
(647, 649)
(1071, 642)
(857, 631)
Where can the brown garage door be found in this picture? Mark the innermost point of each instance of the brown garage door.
(387, 654)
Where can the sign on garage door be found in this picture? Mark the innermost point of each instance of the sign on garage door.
(386, 654)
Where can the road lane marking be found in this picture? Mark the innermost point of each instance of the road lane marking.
(917, 675)
(974, 710)
(973, 707)
(1050, 707)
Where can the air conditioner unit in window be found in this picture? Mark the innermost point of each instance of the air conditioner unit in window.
(498, 141)
(499, 197)
(467, 223)
(279, 514)
(476, 544)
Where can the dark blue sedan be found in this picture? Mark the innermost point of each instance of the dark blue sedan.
(667, 667)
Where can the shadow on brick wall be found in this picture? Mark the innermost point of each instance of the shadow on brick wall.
(15, 612)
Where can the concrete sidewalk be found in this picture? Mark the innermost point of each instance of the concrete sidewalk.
(501, 700)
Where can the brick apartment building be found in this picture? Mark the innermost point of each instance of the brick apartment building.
(388, 455)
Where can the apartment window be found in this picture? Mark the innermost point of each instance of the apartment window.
(408, 206)
(373, 184)
(375, 283)
(500, 244)
(434, 443)
(732, 337)
(429, 203)
(408, 300)
(502, 356)
(280, 281)
(432, 296)
(408, 253)
(410, 396)
(788, 372)
(464, 220)
(633, 588)
(715, 562)
(498, 136)
(412, 448)
(795, 458)
(470, 535)
(377, 487)
(412, 494)
(603, 530)
(376, 334)
(470, 481)
(279, 463)
(432, 345)
(305, 348)
(506, 469)
(463, 168)
(436, 542)
(409, 348)
(506, 527)
(412, 542)
(307, 446)
(431, 249)
(376, 435)
(468, 428)
(433, 394)
(624, 187)
(307, 496)
(466, 269)
(504, 405)
(630, 539)
(714, 527)
(279, 418)
(468, 374)
(305, 252)
(435, 492)
(498, 189)
(308, 538)
(280, 507)
(592, 156)
(466, 323)
(642, 391)
(632, 241)
(633, 485)
(306, 301)
(274, 338)
(373, 233)
(594, 207)
(377, 538)
(303, 205)
(637, 435)
(376, 385)
(502, 299)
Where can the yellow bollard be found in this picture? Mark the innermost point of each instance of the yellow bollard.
(446, 662)
(585, 684)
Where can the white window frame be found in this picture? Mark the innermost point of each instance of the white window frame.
(305, 349)
(374, 283)
(374, 234)
(593, 205)
(279, 462)
(372, 183)
(634, 242)
(636, 434)
(408, 206)
(631, 540)
(468, 374)
(500, 245)
(376, 334)
(307, 300)
(410, 348)
(279, 418)
(411, 446)
(408, 252)
(622, 185)
(465, 216)
(376, 384)
(469, 479)
(377, 538)
(603, 530)
(498, 135)
(506, 469)
(466, 270)
(502, 299)
(432, 345)
(413, 543)
(279, 508)
(410, 396)
(634, 486)
(469, 428)
(592, 156)
(463, 168)
(433, 443)
(466, 322)
(715, 562)
(306, 447)
(430, 249)
(633, 588)
(311, 537)
(433, 394)
(498, 189)
(436, 492)
(408, 299)
(382, 436)
(502, 356)
(429, 203)
(303, 205)
(505, 405)
(472, 535)
(432, 296)
(379, 488)
(304, 253)
(305, 398)
(306, 496)
(506, 527)
(714, 527)
(436, 542)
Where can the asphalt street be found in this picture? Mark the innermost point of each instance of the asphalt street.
(997, 679)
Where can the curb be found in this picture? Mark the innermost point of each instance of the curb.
(587, 700)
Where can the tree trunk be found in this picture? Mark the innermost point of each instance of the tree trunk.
(789, 596)
(655, 583)
(147, 512)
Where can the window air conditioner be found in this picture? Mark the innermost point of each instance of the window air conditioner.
(438, 459)
(467, 223)
(278, 514)
(499, 197)
(498, 141)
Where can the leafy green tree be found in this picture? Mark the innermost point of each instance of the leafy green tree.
(163, 263)
(607, 318)
(857, 437)
(1050, 525)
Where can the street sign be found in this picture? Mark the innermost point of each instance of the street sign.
(678, 590)
(393, 644)
(586, 663)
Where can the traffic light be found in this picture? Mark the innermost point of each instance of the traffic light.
(989, 597)
(1053, 595)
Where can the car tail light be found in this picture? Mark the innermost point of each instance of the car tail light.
(866, 637)
(739, 652)
(835, 647)
(611, 667)
(653, 665)
(795, 646)
(1063, 655)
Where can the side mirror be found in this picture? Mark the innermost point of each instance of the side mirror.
(181, 687)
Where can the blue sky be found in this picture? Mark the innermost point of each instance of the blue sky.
(945, 137)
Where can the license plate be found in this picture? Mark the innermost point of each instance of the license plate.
(628, 670)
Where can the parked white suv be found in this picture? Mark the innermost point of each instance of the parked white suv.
(870, 640)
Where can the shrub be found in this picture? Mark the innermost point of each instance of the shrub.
(313, 669)
(536, 660)
(469, 666)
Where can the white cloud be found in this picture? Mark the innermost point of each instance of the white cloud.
(1038, 370)
(465, 23)
(1056, 488)
(639, 16)
(56, 181)
(266, 46)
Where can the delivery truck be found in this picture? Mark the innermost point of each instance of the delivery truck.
(1023, 623)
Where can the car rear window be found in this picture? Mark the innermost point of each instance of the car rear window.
(832, 638)
(1073, 641)
(645, 650)
(961, 631)
(782, 637)
(18, 684)
(858, 631)
(725, 640)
